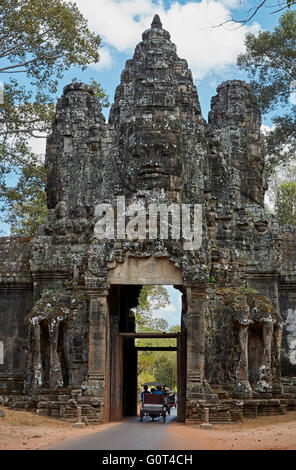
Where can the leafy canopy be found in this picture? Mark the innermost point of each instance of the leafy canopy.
(270, 60)
(155, 365)
(39, 41)
(285, 203)
(43, 38)
(152, 297)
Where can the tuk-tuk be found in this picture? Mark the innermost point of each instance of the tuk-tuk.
(153, 404)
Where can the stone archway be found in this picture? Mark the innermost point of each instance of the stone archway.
(126, 281)
(105, 354)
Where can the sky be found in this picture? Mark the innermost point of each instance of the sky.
(210, 51)
(172, 311)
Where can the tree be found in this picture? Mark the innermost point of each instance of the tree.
(166, 369)
(270, 60)
(152, 297)
(25, 207)
(39, 40)
(155, 365)
(282, 173)
(285, 204)
(255, 6)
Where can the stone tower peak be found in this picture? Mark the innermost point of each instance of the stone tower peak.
(156, 23)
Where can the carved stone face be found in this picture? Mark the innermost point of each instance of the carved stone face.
(61, 210)
(154, 162)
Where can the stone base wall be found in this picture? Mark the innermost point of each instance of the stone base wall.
(64, 406)
(11, 384)
(219, 413)
(58, 405)
(230, 411)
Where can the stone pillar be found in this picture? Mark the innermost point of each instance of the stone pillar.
(267, 343)
(37, 366)
(195, 342)
(264, 383)
(98, 378)
(29, 364)
(55, 372)
(277, 388)
(196, 386)
(242, 387)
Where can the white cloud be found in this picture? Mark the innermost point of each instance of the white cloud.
(292, 98)
(207, 48)
(105, 60)
(119, 22)
(170, 308)
(38, 146)
(232, 3)
(192, 26)
(172, 311)
(266, 129)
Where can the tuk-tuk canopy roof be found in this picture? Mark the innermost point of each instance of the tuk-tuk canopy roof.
(155, 384)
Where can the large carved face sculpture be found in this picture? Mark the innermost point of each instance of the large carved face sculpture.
(154, 161)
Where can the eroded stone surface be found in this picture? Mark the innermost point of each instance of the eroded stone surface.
(60, 304)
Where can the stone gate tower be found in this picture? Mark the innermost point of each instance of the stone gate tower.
(65, 324)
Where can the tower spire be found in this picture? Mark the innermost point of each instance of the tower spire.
(156, 23)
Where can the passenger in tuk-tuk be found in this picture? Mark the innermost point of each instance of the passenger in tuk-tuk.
(144, 392)
(161, 391)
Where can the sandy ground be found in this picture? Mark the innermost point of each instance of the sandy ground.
(266, 433)
(21, 430)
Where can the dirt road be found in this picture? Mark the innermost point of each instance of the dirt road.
(27, 431)
(133, 435)
(265, 433)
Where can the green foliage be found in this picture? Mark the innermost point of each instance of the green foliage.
(155, 365)
(100, 93)
(270, 60)
(25, 204)
(285, 204)
(39, 41)
(151, 298)
(158, 366)
(43, 38)
(290, 3)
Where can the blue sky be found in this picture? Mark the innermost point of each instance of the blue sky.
(210, 51)
(172, 311)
